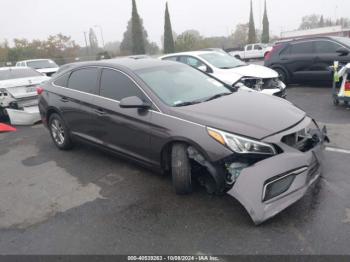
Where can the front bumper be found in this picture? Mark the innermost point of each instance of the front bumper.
(250, 187)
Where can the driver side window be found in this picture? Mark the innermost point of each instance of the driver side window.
(191, 61)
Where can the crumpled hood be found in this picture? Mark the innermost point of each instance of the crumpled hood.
(245, 113)
(254, 71)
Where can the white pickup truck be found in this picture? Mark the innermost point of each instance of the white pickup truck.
(252, 51)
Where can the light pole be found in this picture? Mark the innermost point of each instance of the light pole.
(101, 32)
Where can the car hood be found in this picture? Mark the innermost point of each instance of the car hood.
(245, 113)
(254, 71)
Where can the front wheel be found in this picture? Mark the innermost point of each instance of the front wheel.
(59, 132)
(282, 75)
(181, 169)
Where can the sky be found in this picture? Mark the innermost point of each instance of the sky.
(36, 19)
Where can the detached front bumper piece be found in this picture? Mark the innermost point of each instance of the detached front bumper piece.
(271, 185)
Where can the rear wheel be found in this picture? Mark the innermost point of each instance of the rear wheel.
(59, 132)
(282, 75)
(181, 169)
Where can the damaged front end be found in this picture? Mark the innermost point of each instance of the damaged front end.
(268, 175)
(271, 86)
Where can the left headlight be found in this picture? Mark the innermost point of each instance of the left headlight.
(241, 145)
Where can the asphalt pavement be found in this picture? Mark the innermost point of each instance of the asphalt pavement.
(86, 201)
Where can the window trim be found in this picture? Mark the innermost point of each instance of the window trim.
(99, 79)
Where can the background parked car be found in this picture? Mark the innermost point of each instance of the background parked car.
(253, 51)
(45, 66)
(308, 60)
(230, 70)
(18, 94)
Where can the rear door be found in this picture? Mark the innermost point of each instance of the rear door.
(299, 59)
(75, 99)
(325, 55)
(124, 130)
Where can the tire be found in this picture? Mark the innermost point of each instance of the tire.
(59, 132)
(181, 169)
(282, 75)
(238, 57)
(335, 101)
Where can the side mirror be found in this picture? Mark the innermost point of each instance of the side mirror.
(342, 51)
(203, 68)
(133, 102)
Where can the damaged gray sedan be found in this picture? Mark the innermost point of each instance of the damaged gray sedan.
(260, 149)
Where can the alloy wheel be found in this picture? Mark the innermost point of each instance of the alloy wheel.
(57, 131)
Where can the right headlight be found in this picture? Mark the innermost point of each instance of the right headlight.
(241, 145)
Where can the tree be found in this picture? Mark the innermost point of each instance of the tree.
(239, 37)
(137, 36)
(188, 41)
(265, 37)
(169, 45)
(93, 40)
(310, 22)
(251, 32)
(321, 23)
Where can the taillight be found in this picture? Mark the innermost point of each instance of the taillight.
(39, 90)
(274, 50)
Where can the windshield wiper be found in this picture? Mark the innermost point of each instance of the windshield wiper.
(189, 103)
(226, 67)
(217, 96)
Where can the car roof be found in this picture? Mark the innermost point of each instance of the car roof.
(200, 52)
(34, 60)
(132, 63)
(302, 39)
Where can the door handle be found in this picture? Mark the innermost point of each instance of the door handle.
(64, 100)
(100, 112)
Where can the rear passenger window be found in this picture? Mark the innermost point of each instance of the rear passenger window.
(62, 81)
(302, 48)
(249, 47)
(84, 80)
(116, 85)
(326, 47)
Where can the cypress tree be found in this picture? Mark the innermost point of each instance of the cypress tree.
(169, 45)
(138, 44)
(251, 32)
(265, 37)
